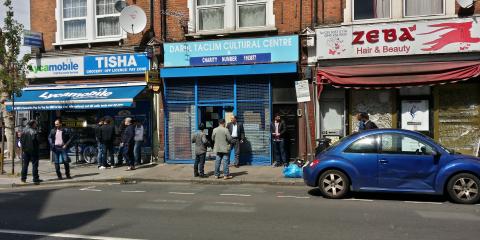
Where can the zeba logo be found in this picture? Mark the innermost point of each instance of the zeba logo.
(389, 35)
(101, 93)
(456, 33)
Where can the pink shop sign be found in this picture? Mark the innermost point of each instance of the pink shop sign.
(405, 38)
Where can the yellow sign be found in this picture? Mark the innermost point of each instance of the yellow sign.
(74, 124)
(152, 77)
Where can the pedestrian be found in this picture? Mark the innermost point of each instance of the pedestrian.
(107, 136)
(368, 123)
(222, 140)
(128, 143)
(238, 136)
(100, 146)
(139, 137)
(59, 140)
(278, 130)
(360, 122)
(29, 143)
(120, 147)
(201, 144)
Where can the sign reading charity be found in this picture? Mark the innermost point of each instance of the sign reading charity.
(229, 52)
(112, 64)
(406, 38)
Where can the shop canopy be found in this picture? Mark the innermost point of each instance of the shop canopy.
(398, 75)
(85, 96)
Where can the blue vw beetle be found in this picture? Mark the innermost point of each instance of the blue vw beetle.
(394, 160)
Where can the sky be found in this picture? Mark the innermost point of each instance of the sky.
(21, 9)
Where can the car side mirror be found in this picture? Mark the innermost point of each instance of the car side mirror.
(436, 156)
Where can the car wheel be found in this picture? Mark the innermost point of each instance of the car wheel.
(463, 188)
(333, 184)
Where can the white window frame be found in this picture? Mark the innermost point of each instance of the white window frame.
(371, 19)
(444, 7)
(105, 16)
(250, 3)
(211, 6)
(73, 19)
(91, 32)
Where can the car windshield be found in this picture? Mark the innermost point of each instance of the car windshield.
(438, 144)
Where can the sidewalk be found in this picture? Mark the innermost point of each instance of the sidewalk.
(148, 173)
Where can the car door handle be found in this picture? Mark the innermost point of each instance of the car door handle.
(383, 161)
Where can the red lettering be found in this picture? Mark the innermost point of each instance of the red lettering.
(358, 37)
(406, 35)
(389, 35)
(372, 36)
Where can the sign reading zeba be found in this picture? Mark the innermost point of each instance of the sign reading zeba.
(406, 38)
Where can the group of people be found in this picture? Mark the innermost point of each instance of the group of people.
(230, 137)
(60, 139)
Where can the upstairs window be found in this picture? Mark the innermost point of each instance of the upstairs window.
(251, 13)
(107, 18)
(211, 14)
(371, 9)
(74, 19)
(415, 8)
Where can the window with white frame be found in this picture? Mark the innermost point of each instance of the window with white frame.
(74, 19)
(107, 18)
(251, 13)
(415, 8)
(371, 9)
(211, 14)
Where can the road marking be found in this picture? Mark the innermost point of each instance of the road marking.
(91, 188)
(230, 203)
(292, 197)
(182, 193)
(169, 201)
(360, 200)
(63, 235)
(228, 208)
(449, 215)
(138, 191)
(235, 194)
(436, 203)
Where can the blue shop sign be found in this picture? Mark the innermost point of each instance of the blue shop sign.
(229, 52)
(116, 64)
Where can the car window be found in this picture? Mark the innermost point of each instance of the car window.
(400, 144)
(363, 145)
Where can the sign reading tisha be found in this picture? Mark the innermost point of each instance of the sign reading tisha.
(406, 38)
(231, 52)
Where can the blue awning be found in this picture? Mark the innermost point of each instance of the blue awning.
(274, 68)
(87, 96)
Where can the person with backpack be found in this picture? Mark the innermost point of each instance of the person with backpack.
(201, 144)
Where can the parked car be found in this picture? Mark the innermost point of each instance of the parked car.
(394, 160)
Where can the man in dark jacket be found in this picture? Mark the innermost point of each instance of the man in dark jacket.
(100, 146)
(368, 124)
(128, 143)
(59, 140)
(120, 148)
(29, 143)
(107, 135)
(238, 136)
(278, 130)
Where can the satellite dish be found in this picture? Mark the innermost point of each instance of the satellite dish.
(133, 19)
(120, 5)
(465, 3)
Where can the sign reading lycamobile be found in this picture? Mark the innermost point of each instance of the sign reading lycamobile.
(227, 52)
(88, 65)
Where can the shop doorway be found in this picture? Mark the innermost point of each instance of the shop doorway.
(210, 117)
(332, 119)
(288, 112)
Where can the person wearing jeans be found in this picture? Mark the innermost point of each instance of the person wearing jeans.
(100, 147)
(222, 140)
(59, 140)
(29, 144)
(278, 129)
(127, 143)
(139, 136)
(201, 144)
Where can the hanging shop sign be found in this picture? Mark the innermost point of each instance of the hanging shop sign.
(406, 38)
(230, 52)
(112, 64)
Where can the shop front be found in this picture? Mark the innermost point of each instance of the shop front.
(81, 101)
(410, 75)
(210, 80)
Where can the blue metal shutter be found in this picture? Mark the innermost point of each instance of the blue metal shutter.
(215, 89)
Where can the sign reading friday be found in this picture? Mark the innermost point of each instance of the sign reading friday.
(114, 64)
(235, 51)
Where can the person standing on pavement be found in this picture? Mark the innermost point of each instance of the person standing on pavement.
(106, 138)
(361, 123)
(29, 143)
(128, 143)
(59, 140)
(222, 140)
(120, 147)
(100, 146)
(201, 144)
(368, 124)
(238, 135)
(139, 137)
(278, 130)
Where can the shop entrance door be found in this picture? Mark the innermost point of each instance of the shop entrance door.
(210, 116)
